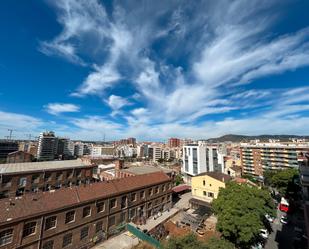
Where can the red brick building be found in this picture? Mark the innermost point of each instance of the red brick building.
(17, 179)
(79, 217)
(173, 142)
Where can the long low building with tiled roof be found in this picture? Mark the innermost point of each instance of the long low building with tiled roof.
(82, 215)
(16, 179)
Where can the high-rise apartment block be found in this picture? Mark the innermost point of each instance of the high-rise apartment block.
(47, 148)
(258, 157)
(202, 157)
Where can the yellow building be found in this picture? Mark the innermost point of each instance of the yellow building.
(205, 186)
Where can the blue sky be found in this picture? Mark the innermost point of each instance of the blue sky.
(153, 69)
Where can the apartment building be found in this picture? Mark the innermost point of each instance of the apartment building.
(47, 147)
(206, 186)
(258, 157)
(16, 179)
(202, 157)
(7, 147)
(173, 142)
(80, 217)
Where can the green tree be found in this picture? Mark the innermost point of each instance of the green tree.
(185, 242)
(178, 179)
(219, 243)
(283, 180)
(240, 210)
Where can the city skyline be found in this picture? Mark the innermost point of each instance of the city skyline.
(90, 69)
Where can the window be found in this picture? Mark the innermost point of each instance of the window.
(111, 221)
(22, 181)
(156, 190)
(6, 180)
(133, 197)
(35, 178)
(86, 212)
(204, 193)
(100, 207)
(6, 237)
(132, 213)
(67, 240)
(112, 203)
(29, 229)
(142, 194)
(84, 232)
(204, 182)
(149, 205)
(4, 194)
(150, 191)
(69, 217)
(48, 245)
(163, 188)
(123, 217)
(50, 222)
(59, 175)
(47, 176)
(210, 194)
(123, 201)
(98, 226)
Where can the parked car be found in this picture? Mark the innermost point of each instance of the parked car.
(257, 246)
(264, 233)
(284, 219)
(269, 218)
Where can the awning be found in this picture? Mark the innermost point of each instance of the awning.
(181, 188)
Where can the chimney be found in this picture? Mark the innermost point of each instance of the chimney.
(118, 165)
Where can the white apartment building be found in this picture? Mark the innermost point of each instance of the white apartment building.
(47, 146)
(200, 158)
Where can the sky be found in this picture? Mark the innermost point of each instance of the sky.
(154, 69)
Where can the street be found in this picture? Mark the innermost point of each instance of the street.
(282, 236)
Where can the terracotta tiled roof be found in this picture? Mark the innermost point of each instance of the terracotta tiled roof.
(44, 202)
(217, 175)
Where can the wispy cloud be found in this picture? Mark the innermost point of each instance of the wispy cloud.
(116, 103)
(199, 62)
(58, 108)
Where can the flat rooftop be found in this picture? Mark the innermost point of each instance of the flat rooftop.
(141, 170)
(13, 168)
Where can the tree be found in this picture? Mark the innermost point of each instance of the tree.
(219, 243)
(283, 180)
(185, 242)
(178, 179)
(240, 210)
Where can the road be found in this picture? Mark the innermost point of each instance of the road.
(283, 235)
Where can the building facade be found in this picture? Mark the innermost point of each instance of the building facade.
(19, 157)
(173, 142)
(206, 186)
(256, 158)
(7, 147)
(47, 146)
(201, 157)
(17, 179)
(80, 217)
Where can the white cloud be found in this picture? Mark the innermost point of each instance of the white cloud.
(104, 77)
(20, 123)
(116, 103)
(58, 108)
(225, 47)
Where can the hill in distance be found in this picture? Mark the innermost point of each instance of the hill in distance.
(262, 138)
